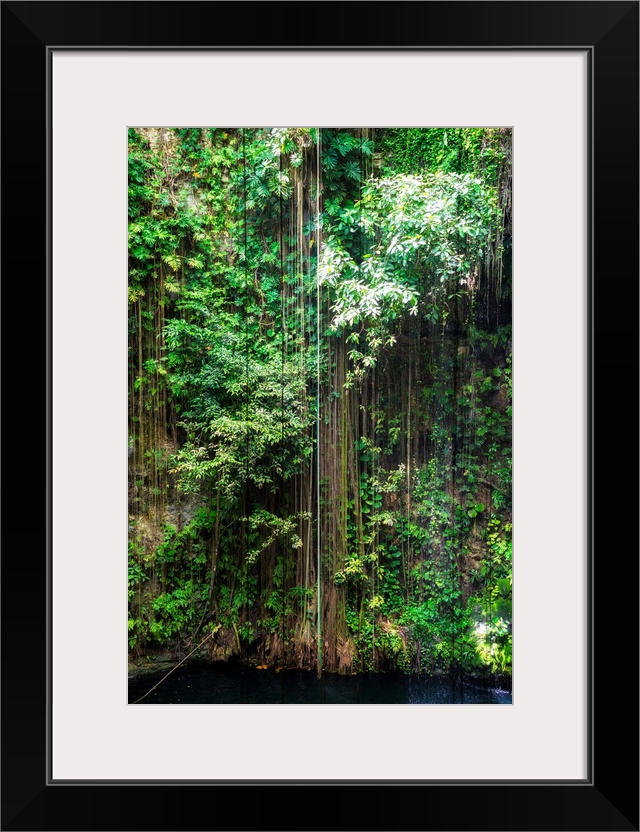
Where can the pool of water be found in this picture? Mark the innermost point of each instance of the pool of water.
(206, 684)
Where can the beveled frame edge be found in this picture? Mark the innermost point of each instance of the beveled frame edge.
(626, 8)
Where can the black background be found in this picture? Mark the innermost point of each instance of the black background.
(609, 799)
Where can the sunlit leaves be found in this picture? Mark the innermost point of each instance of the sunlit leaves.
(417, 232)
(172, 260)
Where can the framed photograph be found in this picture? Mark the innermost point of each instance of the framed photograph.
(333, 159)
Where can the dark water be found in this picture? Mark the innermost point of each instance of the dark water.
(206, 684)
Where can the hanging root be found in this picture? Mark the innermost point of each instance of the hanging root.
(172, 669)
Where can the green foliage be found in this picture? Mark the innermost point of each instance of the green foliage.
(227, 262)
(450, 150)
(424, 234)
(175, 613)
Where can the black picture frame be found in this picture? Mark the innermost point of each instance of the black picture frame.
(608, 798)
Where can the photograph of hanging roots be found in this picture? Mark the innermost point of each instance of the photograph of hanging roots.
(319, 376)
